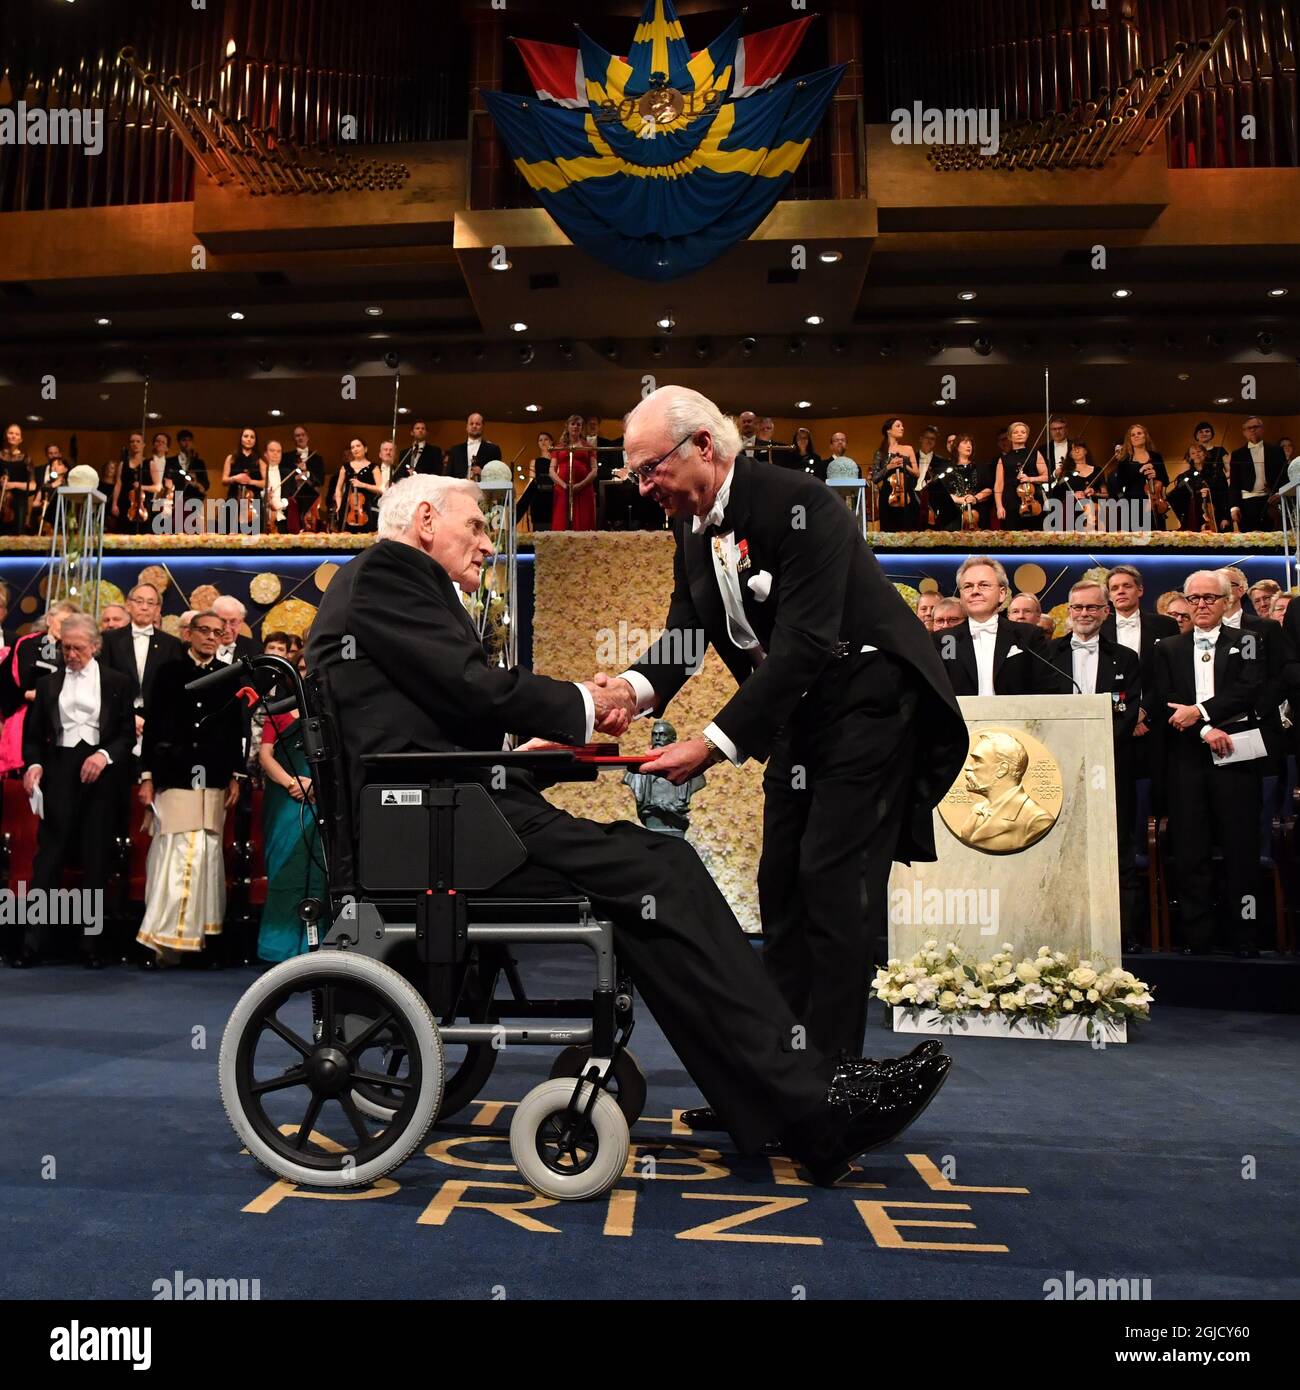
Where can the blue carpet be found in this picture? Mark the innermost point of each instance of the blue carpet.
(1172, 1159)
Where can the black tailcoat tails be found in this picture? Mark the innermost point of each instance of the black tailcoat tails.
(849, 676)
(413, 677)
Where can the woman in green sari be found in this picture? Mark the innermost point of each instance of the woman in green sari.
(291, 840)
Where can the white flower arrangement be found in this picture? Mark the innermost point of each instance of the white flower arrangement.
(1041, 990)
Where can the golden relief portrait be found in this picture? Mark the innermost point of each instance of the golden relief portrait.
(1007, 796)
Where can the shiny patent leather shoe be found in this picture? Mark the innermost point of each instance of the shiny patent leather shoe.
(871, 1110)
(704, 1117)
(887, 1066)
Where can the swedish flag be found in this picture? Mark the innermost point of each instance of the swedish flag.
(658, 165)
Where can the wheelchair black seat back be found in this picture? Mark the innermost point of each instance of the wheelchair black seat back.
(335, 1064)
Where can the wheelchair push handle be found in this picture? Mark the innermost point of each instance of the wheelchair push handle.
(242, 673)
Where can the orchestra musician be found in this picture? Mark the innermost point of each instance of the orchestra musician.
(573, 472)
(51, 476)
(969, 487)
(244, 472)
(1141, 474)
(894, 471)
(1020, 482)
(303, 487)
(16, 483)
(356, 491)
(128, 474)
(1199, 496)
(1079, 479)
(420, 456)
(187, 471)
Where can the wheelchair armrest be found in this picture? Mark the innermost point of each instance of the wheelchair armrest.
(556, 765)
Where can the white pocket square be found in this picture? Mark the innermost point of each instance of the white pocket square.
(760, 585)
(1015, 651)
(1233, 651)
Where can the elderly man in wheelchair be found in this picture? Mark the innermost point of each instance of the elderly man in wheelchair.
(442, 855)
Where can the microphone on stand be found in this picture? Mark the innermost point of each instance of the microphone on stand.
(1078, 689)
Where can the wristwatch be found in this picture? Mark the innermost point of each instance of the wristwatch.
(715, 753)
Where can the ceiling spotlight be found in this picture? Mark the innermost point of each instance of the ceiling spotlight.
(1121, 294)
(667, 322)
(391, 360)
(1264, 341)
(611, 350)
(982, 346)
(500, 265)
(703, 348)
(803, 405)
(235, 314)
(154, 415)
(830, 257)
(104, 323)
(1081, 400)
(403, 409)
(814, 320)
(36, 419)
(748, 346)
(1183, 376)
(967, 295)
(518, 327)
(526, 354)
(275, 414)
(1276, 294)
(103, 395)
(1223, 400)
(939, 403)
(657, 347)
(532, 407)
(379, 337)
(374, 311)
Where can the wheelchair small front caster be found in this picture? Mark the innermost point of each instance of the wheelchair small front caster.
(626, 1085)
(568, 1155)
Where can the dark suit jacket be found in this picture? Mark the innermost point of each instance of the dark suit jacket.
(119, 655)
(1118, 675)
(458, 457)
(1127, 479)
(828, 598)
(1273, 690)
(1018, 674)
(1155, 628)
(43, 725)
(1239, 675)
(418, 680)
(1241, 471)
(430, 461)
(187, 730)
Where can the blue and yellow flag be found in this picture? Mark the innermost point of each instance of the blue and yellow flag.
(658, 162)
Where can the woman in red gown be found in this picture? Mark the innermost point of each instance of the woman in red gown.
(573, 465)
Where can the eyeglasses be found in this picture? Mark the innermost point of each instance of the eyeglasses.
(209, 631)
(1087, 608)
(646, 470)
(973, 585)
(1204, 598)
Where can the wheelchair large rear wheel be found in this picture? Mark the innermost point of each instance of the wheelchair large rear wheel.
(566, 1156)
(289, 1066)
(627, 1085)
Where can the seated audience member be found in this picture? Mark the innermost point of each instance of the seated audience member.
(947, 614)
(925, 606)
(76, 742)
(989, 654)
(190, 763)
(1262, 593)
(112, 617)
(1024, 608)
(1209, 682)
(1097, 665)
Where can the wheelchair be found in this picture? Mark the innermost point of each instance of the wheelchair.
(335, 1065)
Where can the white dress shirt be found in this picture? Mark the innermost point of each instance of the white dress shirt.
(924, 460)
(1232, 619)
(984, 636)
(226, 653)
(1085, 663)
(1058, 452)
(1202, 642)
(79, 707)
(726, 565)
(1128, 631)
(140, 639)
(1261, 484)
(471, 450)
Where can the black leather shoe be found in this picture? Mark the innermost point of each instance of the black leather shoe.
(704, 1117)
(871, 1111)
(887, 1066)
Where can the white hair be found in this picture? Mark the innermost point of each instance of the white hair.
(82, 622)
(686, 412)
(228, 599)
(398, 505)
(1220, 578)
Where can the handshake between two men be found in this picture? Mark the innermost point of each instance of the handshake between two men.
(616, 706)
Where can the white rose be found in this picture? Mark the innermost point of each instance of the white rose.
(1083, 976)
(1076, 994)
(947, 1001)
(908, 992)
(1028, 972)
(1067, 1004)
(1093, 996)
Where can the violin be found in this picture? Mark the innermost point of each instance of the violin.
(311, 520)
(897, 484)
(1029, 503)
(970, 517)
(6, 502)
(357, 515)
(135, 506)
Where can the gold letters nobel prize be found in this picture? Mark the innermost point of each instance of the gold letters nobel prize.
(1007, 796)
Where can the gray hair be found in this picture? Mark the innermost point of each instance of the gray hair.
(84, 623)
(988, 562)
(686, 412)
(398, 505)
(1220, 577)
(1092, 584)
(228, 599)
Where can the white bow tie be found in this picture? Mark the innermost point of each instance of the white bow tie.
(988, 627)
(1134, 621)
(142, 632)
(1077, 646)
(713, 517)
